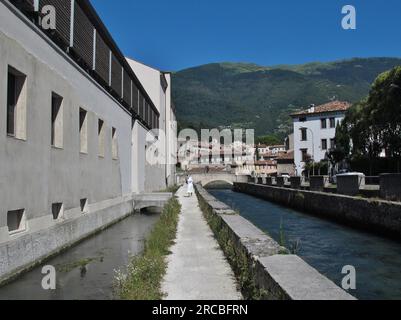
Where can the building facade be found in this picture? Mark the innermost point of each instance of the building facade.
(73, 140)
(315, 131)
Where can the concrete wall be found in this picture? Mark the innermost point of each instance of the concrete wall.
(31, 248)
(33, 174)
(276, 273)
(378, 216)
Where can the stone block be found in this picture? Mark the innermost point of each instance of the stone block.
(280, 181)
(297, 280)
(390, 186)
(295, 182)
(349, 184)
(317, 183)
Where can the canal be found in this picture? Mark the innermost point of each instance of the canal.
(327, 246)
(87, 270)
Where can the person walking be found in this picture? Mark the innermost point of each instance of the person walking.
(190, 189)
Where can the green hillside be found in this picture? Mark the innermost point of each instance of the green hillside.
(250, 96)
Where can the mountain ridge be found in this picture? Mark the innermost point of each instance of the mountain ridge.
(247, 95)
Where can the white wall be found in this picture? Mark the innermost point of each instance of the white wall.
(315, 134)
(150, 78)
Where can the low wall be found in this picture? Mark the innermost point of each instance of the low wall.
(29, 249)
(265, 269)
(383, 217)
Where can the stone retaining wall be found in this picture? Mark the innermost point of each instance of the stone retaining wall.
(265, 268)
(383, 217)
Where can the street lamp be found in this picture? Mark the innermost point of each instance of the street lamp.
(313, 147)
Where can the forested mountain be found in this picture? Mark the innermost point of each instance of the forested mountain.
(251, 96)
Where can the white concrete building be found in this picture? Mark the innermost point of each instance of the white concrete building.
(315, 130)
(74, 136)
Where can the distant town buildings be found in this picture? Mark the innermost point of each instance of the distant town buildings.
(314, 132)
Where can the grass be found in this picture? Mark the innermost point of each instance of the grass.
(142, 280)
(172, 189)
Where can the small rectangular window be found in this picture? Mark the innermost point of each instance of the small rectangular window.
(57, 121)
(16, 220)
(324, 144)
(57, 210)
(332, 122)
(16, 104)
(304, 154)
(304, 134)
(101, 137)
(84, 205)
(83, 130)
(332, 143)
(323, 123)
(114, 143)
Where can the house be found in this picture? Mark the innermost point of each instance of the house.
(285, 164)
(314, 132)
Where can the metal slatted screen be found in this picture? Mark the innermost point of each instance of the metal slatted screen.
(135, 97)
(146, 112)
(140, 105)
(127, 88)
(83, 35)
(102, 64)
(116, 75)
(24, 5)
(63, 18)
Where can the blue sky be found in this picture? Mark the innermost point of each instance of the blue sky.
(177, 34)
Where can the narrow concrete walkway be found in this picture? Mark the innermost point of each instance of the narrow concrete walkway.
(197, 268)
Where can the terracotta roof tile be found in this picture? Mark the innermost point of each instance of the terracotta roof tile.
(327, 107)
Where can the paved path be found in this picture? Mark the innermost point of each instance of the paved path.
(197, 268)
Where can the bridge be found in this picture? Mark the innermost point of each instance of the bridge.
(151, 200)
(206, 178)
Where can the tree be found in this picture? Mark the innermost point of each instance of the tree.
(268, 140)
(373, 124)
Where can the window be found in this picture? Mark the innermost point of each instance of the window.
(16, 104)
(83, 130)
(57, 121)
(332, 143)
(84, 205)
(304, 134)
(114, 143)
(57, 210)
(324, 144)
(302, 119)
(16, 221)
(332, 122)
(304, 154)
(323, 123)
(101, 137)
